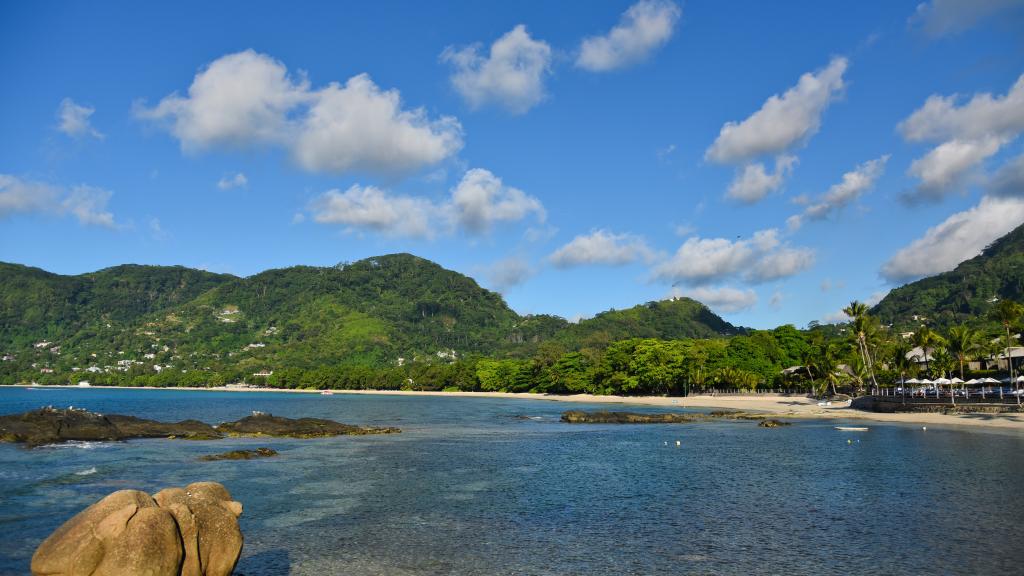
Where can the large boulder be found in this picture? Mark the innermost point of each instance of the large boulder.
(191, 531)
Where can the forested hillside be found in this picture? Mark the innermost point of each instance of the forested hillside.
(964, 294)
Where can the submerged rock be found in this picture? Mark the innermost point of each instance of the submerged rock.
(51, 425)
(604, 417)
(241, 455)
(177, 532)
(772, 423)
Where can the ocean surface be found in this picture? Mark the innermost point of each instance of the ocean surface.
(470, 487)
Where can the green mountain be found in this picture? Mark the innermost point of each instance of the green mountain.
(38, 305)
(963, 294)
(375, 312)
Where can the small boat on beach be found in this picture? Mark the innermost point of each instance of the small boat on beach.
(852, 428)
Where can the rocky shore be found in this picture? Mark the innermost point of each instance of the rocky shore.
(53, 425)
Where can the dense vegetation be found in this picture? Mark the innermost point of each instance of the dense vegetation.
(965, 294)
(400, 321)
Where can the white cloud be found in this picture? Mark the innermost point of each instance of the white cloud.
(360, 127)
(508, 273)
(876, 297)
(643, 28)
(478, 202)
(23, 196)
(75, 119)
(157, 230)
(948, 17)
(249, 99)
(854, 184)
(1009, 180)
(960, 237)
(783, 121)
(601, 247)
(89, 205)
(511, 75)
(86, 203)
(761, 258)
(723, 299)
(837, 317)
(481, 199)
(237, 181)
(371, 208)
(753, 182)
(966, 134)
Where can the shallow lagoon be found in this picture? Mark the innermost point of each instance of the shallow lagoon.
(469, 488)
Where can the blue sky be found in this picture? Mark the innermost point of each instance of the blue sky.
(774, 160)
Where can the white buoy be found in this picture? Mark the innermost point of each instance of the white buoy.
(666, 443)
(678, 443)
(924, 427)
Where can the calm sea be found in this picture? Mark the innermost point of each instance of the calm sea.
(469, 487)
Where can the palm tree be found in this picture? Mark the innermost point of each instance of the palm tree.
(858, 313)
(961, 342)
(1008, 312)
(828, 366)
(809, 359)
(902, 363)
(926, 338)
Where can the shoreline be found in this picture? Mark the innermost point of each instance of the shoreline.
(773, 405)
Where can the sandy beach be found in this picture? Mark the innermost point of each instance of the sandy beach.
(776, 405)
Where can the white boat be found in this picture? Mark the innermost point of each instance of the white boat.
(852, 428)
(327, 393)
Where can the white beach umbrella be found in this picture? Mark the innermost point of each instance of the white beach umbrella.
(943, 381)
(956, 380)
(925, 381)
(990, 380)
(913, 381)
(973, 381)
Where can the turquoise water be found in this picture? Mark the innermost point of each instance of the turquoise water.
(469, 488)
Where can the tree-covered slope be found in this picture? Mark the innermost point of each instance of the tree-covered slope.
(965, 293)
(35, 304)
(381, 311)
(666, 319)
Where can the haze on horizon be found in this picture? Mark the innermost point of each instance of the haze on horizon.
(772, 161)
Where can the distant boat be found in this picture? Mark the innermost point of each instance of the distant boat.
(327, 393)
(852, 428)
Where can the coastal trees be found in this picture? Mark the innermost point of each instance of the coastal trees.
(902, 364)
(1008, 312)
(926, 339)
(961, 342)
(861, 324)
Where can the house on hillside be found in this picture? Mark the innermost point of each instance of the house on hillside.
(263, 373)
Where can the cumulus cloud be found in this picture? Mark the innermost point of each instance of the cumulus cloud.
(475, 205)
(966, 135)
(481, 199)
(601, 247)
(75, 119)
(237, 181)
(761, 258)
(939, 18)
(724, 299)
(360, 127)
(782, 121)
(249, 99)
(753, 182)
(853, 185)
(87, 204)
(508, 273)
(511, 75)
(960, 237)
(367, 207)
(642, 29)
(1009, 180)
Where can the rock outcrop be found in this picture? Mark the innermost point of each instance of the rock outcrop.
(191, 531)
(605, 417)
(51, 425)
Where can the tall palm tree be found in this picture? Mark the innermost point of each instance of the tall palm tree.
(858, 313)
(828, 366)
(1008, 312)
(809, 358)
